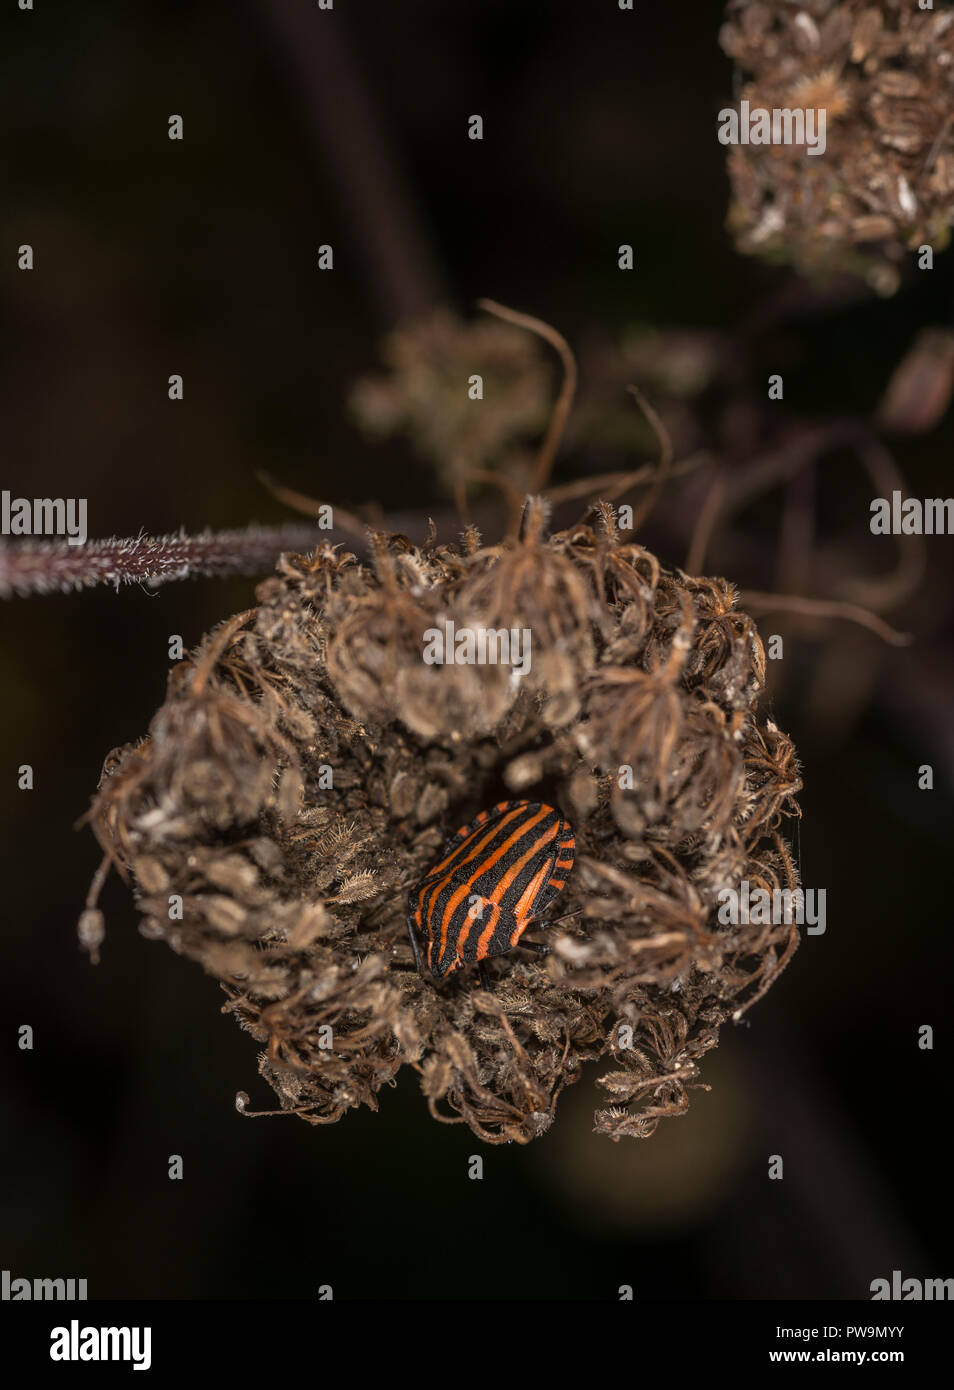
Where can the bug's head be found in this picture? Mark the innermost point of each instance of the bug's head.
(444, 965)
(443, 962)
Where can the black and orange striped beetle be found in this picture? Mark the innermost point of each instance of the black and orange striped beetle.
(495, 876)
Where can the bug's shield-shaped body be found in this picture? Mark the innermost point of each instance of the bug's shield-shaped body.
(495, 876)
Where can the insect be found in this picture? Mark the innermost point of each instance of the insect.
(496, 874)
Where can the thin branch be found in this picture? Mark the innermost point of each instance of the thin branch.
(561, 410)
(608, 487)
(506, 486)
(824, 608)
(702, 531)
(935, 149)
(803, 449)
(796, 538)
(665, 456)
(46, 567)
(352, 139)
(309, 506)
(891, 589)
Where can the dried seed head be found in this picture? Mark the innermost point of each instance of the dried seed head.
(424, 395)
(826, 89)
(308, 764)
(884, 186)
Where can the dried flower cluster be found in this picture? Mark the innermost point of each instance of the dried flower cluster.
(424, 396)
(885, 184)
(294, 891)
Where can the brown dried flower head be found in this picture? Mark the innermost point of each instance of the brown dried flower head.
(420, 395)
(308, 765)
(884, 74)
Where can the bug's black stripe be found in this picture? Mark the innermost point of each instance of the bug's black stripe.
(479, 837)
(560, 872)
(512, 894)
(499, 943)
(465, 832)
(486, 885)
(482, 874)
(462, 844)
(481, 832)
(550, 891)
(504, 927)
(516, 850)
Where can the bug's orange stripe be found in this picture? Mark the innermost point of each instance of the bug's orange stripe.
(524, 903)
(484, 939)
(508, 877)
(490, 860)
(527, 899)
(465, 931)
(434, 889)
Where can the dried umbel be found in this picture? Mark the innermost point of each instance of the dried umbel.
(308, 765)
(420, 396)
(884, 75)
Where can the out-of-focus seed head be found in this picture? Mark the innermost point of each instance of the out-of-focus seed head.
(884, 75)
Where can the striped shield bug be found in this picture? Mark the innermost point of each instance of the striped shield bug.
(495, 876)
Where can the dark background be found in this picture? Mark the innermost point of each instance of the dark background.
(199, 258)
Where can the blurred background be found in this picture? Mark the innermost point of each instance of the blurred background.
(156, 257)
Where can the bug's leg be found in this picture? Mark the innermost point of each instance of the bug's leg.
(484, 977)
(566, 917)
(415, 947)
(539, 948)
